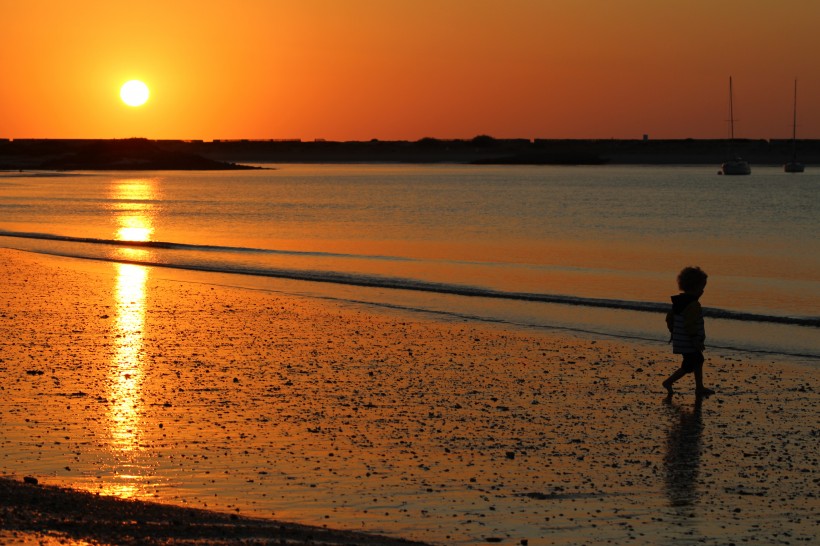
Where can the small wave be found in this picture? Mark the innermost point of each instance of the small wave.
(397, 283)
(165, 245)
(756, 317)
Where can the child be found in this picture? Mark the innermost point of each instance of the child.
(685, 323)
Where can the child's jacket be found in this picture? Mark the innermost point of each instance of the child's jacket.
(685, 323)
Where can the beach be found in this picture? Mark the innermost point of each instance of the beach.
(188, 390)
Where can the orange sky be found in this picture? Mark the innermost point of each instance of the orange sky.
(407, 69)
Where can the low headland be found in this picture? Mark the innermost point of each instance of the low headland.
(133, 154)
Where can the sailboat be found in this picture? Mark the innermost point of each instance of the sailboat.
(736, 165)
(794, 166)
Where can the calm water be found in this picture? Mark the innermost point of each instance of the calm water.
(587, 248)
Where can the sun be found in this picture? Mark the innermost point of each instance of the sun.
(134, 93)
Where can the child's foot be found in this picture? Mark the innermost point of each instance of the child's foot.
(703, 391)
(668, 386)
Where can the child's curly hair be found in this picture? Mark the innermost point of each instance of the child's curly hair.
(690, 278)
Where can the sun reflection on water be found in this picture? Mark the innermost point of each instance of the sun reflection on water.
(126, 376)
(127, 368)
(133, 214)
(133, 207)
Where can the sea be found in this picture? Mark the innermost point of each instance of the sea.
(592, 249)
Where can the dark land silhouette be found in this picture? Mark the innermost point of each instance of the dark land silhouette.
(134, 154)
(144, 154)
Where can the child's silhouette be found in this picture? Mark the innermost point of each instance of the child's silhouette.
(685, 323)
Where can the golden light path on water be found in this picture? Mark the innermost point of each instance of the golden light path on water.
(133, 213)
(133, 208)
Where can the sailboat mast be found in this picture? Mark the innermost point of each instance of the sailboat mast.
(794, 123)
(731, 113)
(736, 165)
(794, 166)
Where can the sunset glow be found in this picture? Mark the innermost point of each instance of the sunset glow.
(408, 70)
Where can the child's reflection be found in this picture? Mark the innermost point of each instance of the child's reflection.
(683, 448)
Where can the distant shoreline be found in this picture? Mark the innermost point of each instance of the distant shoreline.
(144, 154)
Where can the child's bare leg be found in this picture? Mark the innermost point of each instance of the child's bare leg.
(680, 372)
(699, 388)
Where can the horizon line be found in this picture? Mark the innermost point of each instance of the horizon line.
(484, 137)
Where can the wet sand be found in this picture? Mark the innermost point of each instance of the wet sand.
(180, 389)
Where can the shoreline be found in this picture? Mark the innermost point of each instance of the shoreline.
(122, 381)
